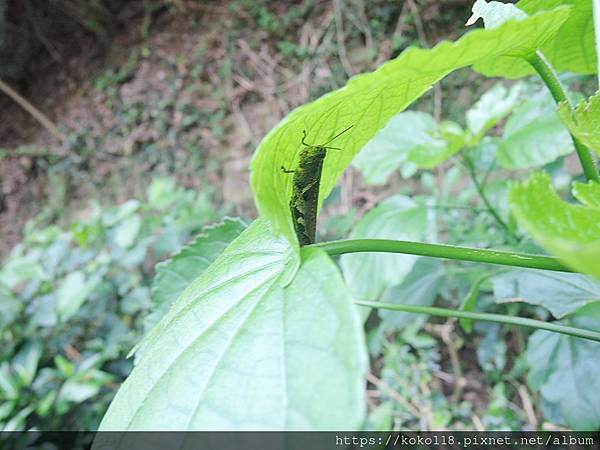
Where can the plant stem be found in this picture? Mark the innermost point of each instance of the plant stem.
(498, 318)
(596, 6)
(486, 202)
(35, 113)
(28, 152)
(444, 251)
(548, 75)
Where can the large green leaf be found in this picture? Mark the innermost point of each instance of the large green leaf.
(570, 231)
(10, 307)
(561, 293)
(584, 121)
(492, 107)
(587, 193)
(494, 15)
(127, 232)
(533, 136)
(73, 292)
(368, 101)
(246, 346)
(18, 269)
(429, 157)
(412, 137)
(572, 48)
(369, 274)
(25, 363)
(177, 273)
(565, 370)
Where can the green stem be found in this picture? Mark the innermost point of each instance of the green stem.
(486, 202)
(548, 75)
(444, 251)
(596, 6)
(498, 318)
(28, 152)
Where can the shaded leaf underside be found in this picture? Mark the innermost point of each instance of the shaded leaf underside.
(239, 351)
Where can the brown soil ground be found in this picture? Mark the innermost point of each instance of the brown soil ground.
(208, 57)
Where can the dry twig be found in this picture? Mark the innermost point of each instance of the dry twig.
(382, 385)
(35, 113)
(528, 406)
(339, 26)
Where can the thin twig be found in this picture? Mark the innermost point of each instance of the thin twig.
(437, 89)
(486, 317)
(479, 426)
(339, 27)
(596, 6)
(361, 22)
(35, 113)
(382, 385)
(400, 23)
(418, 23)
(528, 406)
(243, 121)
(483, 196)
(29, 153)
(445, 333)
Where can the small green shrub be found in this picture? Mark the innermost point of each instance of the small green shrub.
(73, 303)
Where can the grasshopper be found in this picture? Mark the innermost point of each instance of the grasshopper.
(306, 184)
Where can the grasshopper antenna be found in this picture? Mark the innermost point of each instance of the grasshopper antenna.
(335, 137)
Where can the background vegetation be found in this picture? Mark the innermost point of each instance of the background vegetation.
(155, 133)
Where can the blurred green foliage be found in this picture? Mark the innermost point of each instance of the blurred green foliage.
(467, 205)
(73, 303)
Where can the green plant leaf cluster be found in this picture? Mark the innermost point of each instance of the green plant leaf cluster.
(369, 101)
(572, 48)
(410, 141)
(533, 135)
(73, 302)
(492, 107)
(584, 121)
(587, 193)
(569, 231)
